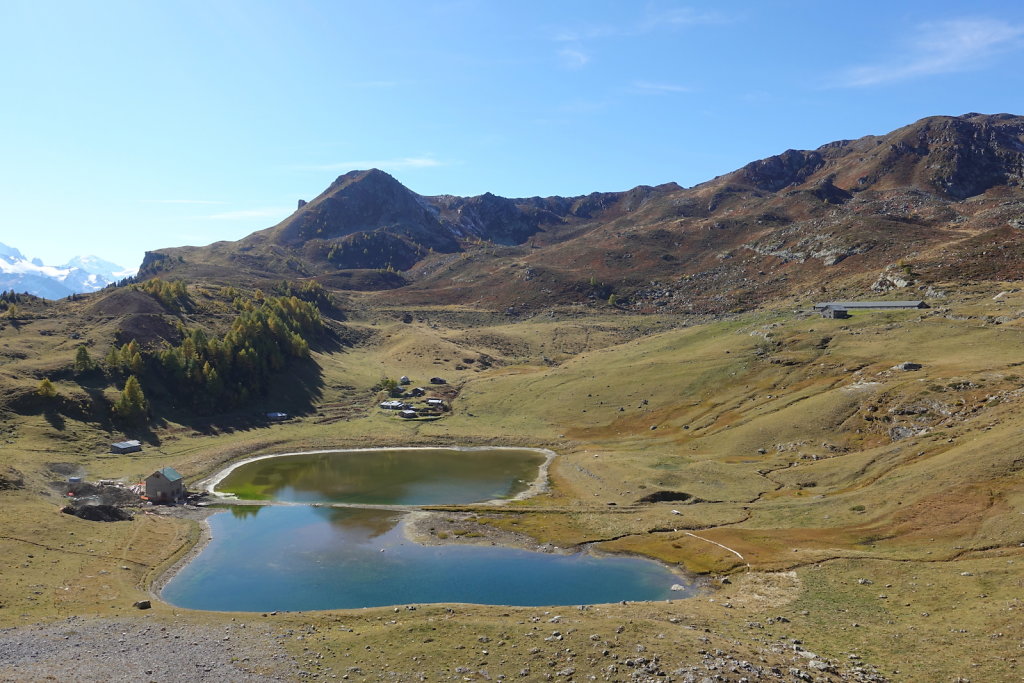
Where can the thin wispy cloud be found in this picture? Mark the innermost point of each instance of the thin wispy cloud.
(575, 55)
(573, 58)
(648, 88)
(400, 164)
(244, 214)
(939, 48)
(181, 201)
(680, 17)
(576, 35)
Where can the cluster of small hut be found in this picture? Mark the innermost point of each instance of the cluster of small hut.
(427, 406)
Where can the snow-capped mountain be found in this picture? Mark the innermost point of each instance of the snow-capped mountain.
(97, 266)
(79, 275)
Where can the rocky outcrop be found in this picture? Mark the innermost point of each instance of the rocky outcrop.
(890, 280)
(795, 245)
(485, 217)
(792, 167)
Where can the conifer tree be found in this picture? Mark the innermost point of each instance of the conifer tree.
(112, 359)
(132, 404)
(135, 364)
(46, 389)
(83, 362)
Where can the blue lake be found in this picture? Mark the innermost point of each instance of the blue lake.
(301, 557)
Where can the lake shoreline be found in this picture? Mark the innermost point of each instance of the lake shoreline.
(202, 515)
(421, 526)
(539, 484)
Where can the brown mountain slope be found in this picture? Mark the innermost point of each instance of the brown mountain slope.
(924, 204)
(368, 220)
(928, 203)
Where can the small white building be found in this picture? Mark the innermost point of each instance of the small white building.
(131, 446)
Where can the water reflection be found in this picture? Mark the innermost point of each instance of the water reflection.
(360, 525)
(243, 511)
(302, 557)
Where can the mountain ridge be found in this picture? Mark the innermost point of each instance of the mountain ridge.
(838, 215)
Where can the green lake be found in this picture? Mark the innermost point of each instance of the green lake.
(297, 556)
(400, 476)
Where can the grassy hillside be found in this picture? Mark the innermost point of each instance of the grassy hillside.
(876, 511)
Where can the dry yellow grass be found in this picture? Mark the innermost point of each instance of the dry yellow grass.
(785, 435)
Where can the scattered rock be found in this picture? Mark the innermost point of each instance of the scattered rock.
(900, 432)
(142, 604)
(889, 281)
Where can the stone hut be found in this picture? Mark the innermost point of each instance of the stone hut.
(131, 446)
(165, 485)
(835, 312)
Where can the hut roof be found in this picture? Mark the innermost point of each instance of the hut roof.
(169, 473)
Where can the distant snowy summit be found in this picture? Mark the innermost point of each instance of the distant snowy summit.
(79, 275)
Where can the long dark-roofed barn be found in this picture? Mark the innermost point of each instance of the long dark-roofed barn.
(870, 305)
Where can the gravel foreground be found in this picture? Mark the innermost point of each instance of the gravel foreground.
(100, 650)
(112, 650)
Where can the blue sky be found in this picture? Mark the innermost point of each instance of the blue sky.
(136, 125)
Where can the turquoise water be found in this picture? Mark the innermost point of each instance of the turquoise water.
(307, 558)
(394, 476)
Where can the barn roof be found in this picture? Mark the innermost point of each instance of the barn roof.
(871, 304)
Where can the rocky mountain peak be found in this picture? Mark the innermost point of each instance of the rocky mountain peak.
(951, 156)
(792, 167)
(364, 201)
